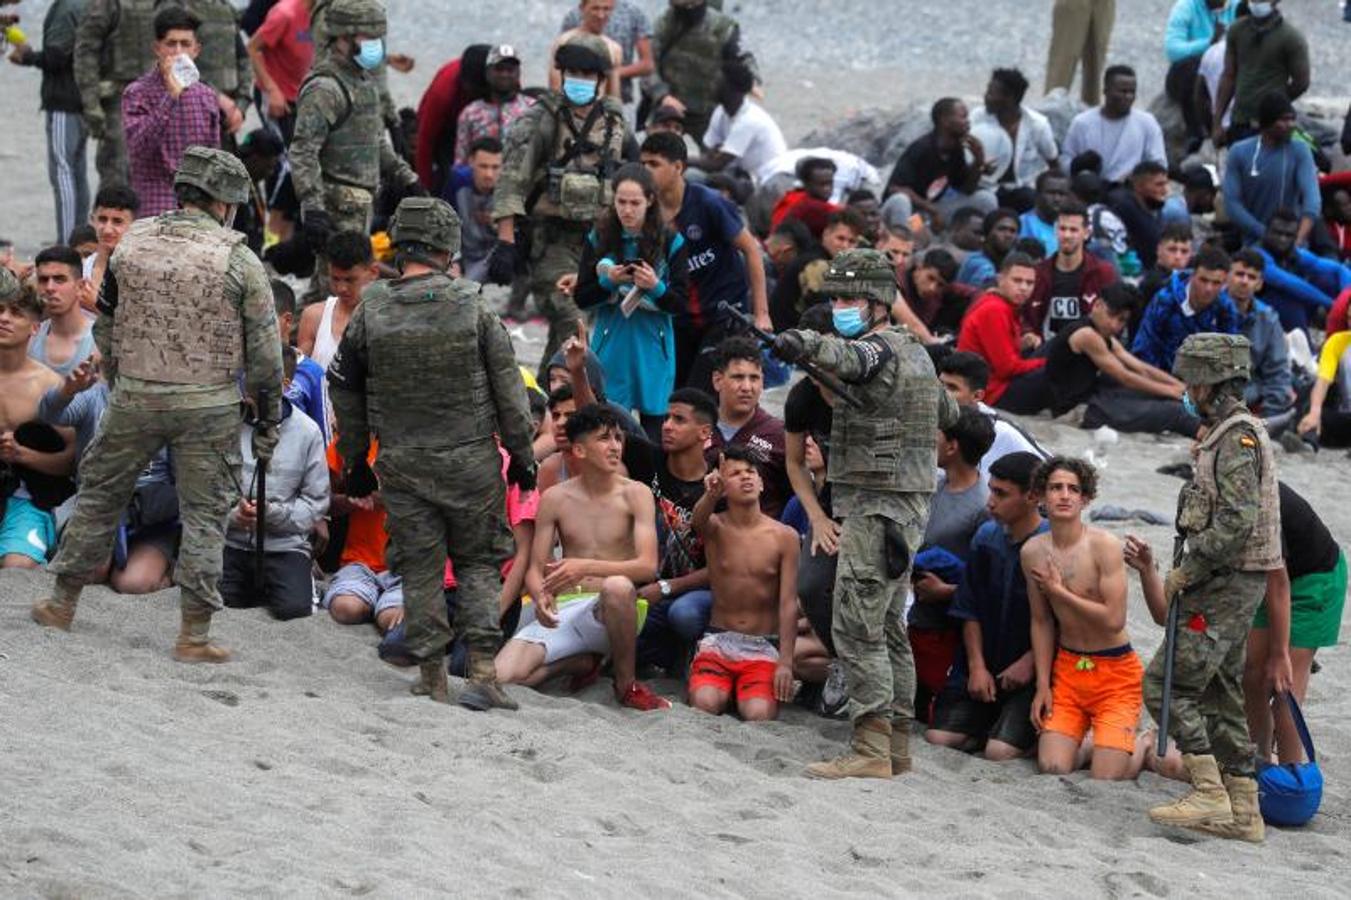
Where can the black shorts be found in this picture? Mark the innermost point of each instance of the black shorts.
(1008, 719)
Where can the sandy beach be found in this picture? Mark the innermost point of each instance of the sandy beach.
(304, 768)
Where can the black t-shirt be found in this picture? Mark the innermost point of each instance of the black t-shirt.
(927, 170)
(1073, 376)
(682, 551)
(1306, 542)
(1066, 302)
(805, 411)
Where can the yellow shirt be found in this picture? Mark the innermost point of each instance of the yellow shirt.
(1334, 348)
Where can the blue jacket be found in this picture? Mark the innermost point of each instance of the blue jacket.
(1270, 381)
(1297, 291)
(1191, 26)
(977, 270)
(306, 393)
(1165, 326)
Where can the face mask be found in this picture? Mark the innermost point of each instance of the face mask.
(1189, 405)
(371, 53)
(1261, 10)
(579, 91)
(848, 321)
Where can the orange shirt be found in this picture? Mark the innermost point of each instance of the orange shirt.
(366, 536)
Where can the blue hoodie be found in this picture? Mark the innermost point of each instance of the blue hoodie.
(1308, 283)
(1191, 28)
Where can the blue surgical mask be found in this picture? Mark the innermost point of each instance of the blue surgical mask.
(1189, 405)
(848, 321)
(370, 53)
(1261, 10)
(579, 91)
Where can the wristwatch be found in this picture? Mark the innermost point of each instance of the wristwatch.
(665, 587)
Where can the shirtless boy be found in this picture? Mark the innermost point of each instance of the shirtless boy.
(586, 602)
(752, 566)
(27, 532)
(1087, 676)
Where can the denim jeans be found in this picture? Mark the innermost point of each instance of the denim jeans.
(672, 625)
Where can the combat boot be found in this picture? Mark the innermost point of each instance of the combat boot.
(59, 611)
(1247, 824)
(434, 682)
(483, 693)
(900, 748)
(870, 755)
(1207, 804)
(194, 643)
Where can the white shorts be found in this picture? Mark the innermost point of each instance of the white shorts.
(578, 631)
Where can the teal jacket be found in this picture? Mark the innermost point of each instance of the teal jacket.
(1191, 27)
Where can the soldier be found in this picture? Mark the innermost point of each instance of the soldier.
(426, 366)
(1229, 517)
(114, 45)
(389, 113)
(691, 44)
(881, 472)
(184, 306)
(556, 168)
(340, 152)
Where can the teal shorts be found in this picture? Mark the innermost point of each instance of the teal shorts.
(27, 531)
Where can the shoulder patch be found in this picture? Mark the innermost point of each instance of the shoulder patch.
(1247, 440)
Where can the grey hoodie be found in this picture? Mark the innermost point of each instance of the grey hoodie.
(297, 485)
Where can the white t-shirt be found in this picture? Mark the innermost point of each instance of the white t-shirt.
(1212, 67)
(1122, 143)
(752, 135)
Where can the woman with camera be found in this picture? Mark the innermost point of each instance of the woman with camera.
(634, 274)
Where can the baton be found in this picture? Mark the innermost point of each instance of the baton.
(1169, 648)
(827, 380)
(260, 502)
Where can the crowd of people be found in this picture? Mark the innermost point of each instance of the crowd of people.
(630, 507)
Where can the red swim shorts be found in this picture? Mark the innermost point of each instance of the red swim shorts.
(751, 679)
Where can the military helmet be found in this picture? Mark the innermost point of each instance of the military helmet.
(426, 220)
(861, 273)
(219, 174)
(1213, 358)
(352, 17)
(584, 53)
(9, 285)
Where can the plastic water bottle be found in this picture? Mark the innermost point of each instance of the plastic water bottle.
(185, 71)
(1104, 439)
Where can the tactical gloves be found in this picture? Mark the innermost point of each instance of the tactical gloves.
(502, 263)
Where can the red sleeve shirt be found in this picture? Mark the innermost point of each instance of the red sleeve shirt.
(286, 44)
(991, 329)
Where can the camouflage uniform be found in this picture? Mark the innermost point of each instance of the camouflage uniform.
(340, 151)
(881, 472)
(184, 306)
(114, 45)
(689, 60)
(427, 367)
(1229, 517)
(556, 168)
(319, 35)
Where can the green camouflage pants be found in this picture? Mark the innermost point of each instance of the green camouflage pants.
(350, 210)
(1206, 715)
(204, 444)
(447, 502)
(868, 625)
(555, 251)
(110, 159)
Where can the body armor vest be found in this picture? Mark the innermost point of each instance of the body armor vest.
(888, 445)
(351, 154)
(1262, 551)
(174, 322)
(426, 385)
(691, 61)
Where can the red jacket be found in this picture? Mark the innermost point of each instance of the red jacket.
(1097, 274)
(991, 329)
(437, 114)
(797, 205)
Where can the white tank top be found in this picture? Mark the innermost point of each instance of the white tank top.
(325, 344)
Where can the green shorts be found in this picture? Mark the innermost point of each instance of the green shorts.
(1316, 602)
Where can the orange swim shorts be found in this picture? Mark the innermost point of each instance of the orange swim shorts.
(1103, 691)
(751, 679)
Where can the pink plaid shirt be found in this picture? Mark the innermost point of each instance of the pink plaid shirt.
(158, 129)
(482, 119)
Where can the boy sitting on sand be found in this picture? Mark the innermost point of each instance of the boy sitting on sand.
(586, 603)
(752, 566)
(1088, 676)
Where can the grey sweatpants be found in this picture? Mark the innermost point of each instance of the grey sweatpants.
(67, 171)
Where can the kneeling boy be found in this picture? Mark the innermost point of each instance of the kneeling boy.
(1076, 584)
(752, 566)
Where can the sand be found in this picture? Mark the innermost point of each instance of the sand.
(304, 768)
